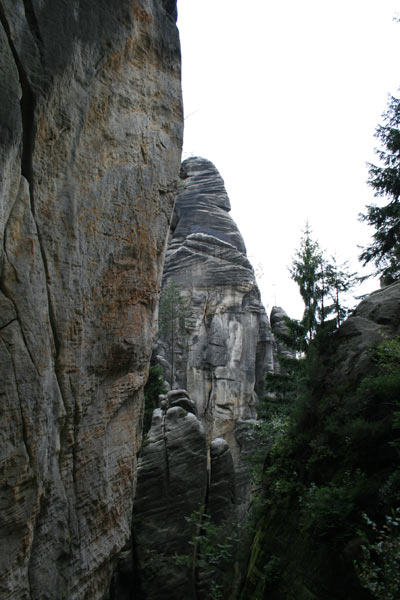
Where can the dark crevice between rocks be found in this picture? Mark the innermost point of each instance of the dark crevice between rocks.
(210, 393)
(28, 105)
(198, 592)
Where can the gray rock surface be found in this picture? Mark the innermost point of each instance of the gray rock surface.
(220, 355)
(183, 487)
(375, 319)
(91, 131)
(172, 484)
(279, 327)
(221, 495)
(227, 344)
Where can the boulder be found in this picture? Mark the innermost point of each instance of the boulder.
(375, 319)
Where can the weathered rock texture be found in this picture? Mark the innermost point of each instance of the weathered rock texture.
(194, 455)
(226, 348)
(172, 484)
(375, 319)
(175, 487)
(90, 129)
(279, 327)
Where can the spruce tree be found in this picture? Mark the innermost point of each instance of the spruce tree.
(384, 252)
(306, 270)
(171, 320)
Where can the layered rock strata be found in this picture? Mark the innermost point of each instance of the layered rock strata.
(214, 341)
(91, 130)
(226, 346)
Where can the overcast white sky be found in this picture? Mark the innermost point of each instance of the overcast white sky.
(283, 96)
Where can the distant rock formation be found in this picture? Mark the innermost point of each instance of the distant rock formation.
(91, 133)
(226, 347)
(279, 327)
(196, 453)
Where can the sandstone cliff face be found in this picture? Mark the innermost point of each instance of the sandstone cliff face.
(91, 127)
(227, 344)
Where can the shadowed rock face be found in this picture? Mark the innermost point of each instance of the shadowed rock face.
(175, 487)
(90, 130)
(375, 319)
(172, 484)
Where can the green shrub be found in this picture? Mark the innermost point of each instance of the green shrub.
(379, 568)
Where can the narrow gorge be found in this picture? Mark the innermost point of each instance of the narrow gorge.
(136, 354)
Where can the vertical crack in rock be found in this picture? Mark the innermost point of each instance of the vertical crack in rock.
(208, 409)
(28, 104)
(18, 319)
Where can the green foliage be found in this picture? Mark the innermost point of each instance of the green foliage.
(322, 284)
(213, 548)
(154, 387)
(327, 507)
(306, 272)
(336, 458)
(387, 355)
(384, 252)
(339, 281)
(379, 568)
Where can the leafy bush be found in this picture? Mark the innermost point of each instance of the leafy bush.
(379, 568)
